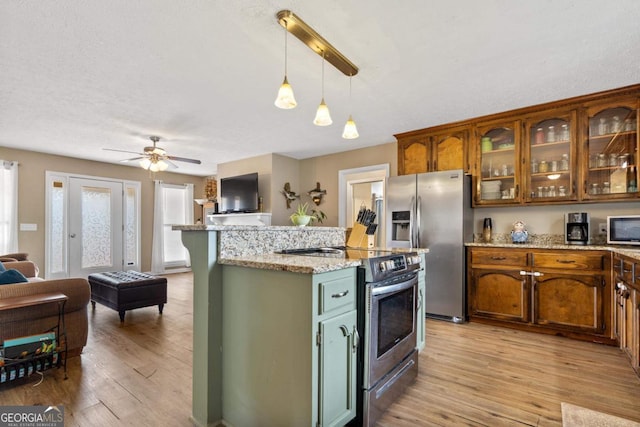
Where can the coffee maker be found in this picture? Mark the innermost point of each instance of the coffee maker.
(576, 227)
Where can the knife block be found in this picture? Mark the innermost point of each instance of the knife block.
(358, 237)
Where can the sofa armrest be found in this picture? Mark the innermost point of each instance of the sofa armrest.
(28, 268)
(76, 289)
(17, 256)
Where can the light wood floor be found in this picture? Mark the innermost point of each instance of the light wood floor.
(139, 373)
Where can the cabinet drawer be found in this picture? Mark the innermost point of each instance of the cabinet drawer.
(337, 293)
(498, 257)
(569, 261)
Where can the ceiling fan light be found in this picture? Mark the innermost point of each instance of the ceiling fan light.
(285, 99)
(154, 167)
(323, 118)
(145, 163)
(350, 129)
(162, 165)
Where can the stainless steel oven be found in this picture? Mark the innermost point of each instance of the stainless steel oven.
(389, 356)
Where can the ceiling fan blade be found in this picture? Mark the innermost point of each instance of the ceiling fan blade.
(171, 164)
(184, 159)
(133, 159)
(123, 151)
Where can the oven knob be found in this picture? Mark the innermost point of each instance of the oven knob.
(382, 266)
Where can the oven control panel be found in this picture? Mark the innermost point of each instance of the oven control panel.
(396, 263)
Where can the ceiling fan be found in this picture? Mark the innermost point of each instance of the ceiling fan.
(154, 158)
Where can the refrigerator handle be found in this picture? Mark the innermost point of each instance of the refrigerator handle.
(418, 220)
(412, 222)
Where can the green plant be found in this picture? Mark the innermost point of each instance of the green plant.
(303, 211)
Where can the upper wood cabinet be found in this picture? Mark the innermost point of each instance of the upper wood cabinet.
(498, 160)
(582, 149)
(433, 151)
(549, 171)
(610, 149)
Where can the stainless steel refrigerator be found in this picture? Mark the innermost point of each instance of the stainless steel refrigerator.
(433, 210)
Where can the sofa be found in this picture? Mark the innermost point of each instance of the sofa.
(37, 319)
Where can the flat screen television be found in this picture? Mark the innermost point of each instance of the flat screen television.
(239, 193)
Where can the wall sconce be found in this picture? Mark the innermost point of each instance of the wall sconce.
(316, 194)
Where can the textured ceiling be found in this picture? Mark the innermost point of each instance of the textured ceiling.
(77, 76)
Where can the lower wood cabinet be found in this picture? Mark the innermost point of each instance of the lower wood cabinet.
(558, 292)
(289, 347)
(627, 307)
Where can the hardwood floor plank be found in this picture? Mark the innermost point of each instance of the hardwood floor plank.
(139, 373)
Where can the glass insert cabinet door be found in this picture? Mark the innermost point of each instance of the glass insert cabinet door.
(549, 165)
(499, 154)
(612, 154)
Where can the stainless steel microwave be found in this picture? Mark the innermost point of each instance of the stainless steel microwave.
(623, 230)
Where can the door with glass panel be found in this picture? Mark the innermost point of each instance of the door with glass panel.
(95, 226)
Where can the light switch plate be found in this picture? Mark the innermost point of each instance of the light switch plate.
(602, 228)
(28, 227)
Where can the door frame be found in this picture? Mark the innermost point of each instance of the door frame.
(61, 180)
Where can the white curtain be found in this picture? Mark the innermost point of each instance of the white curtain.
(157, 244)
(8, 207)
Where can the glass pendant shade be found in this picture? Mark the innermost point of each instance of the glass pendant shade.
(323, 118)
(350, 129)
(285, 99)
(145, 163)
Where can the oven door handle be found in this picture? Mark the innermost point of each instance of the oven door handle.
(382, 290)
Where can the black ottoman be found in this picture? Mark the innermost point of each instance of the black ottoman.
(126, 290)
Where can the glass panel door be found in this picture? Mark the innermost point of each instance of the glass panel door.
(95, 226)
(612, 153)
(499, 164)
(550, 165)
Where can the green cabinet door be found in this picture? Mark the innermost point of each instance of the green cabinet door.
(337, 352)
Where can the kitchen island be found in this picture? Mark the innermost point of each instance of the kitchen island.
(210, 247)
(275, 338)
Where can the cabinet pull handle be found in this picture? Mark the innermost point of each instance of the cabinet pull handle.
(498, 258)
(356, 340)
(533, 273)
(340, 294)
(565, 261)
(626, 271)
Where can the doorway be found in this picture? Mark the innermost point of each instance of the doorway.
(92, 225)
(358, 185)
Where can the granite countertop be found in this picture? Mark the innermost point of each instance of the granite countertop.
(262, 228)
(301, 263)
(633, 253)
(292, 263)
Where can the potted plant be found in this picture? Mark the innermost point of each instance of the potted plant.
(302, 216)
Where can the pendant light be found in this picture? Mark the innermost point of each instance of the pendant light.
(350, 130)
(323, 118)
(285, 99)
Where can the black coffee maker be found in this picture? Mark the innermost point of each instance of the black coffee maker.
(576, 227)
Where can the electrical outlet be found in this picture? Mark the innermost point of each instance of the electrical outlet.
(602, 228)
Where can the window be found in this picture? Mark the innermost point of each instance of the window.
(8, 207)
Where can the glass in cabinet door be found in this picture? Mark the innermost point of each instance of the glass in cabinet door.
(499, 165)
(549, 166)
(612, 153)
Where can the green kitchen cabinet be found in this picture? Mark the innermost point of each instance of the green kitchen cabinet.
(289, 347)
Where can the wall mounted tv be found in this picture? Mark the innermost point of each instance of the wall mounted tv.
(239, 193)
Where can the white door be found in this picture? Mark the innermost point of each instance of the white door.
(95, 226)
